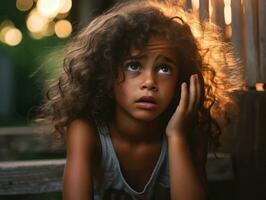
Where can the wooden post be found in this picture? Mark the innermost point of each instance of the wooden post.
(188, 4)
(262, 40)
(218, 13)
(251, 146)
(204, 10)
(251, 41)
(237, 28)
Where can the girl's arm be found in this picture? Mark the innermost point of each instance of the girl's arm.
(81, 148)
(185, 180)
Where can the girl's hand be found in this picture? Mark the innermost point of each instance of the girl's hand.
(186, 112)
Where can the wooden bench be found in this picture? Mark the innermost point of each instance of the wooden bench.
(31, 177)
(18, 176)
(42, 176)
(19, 143)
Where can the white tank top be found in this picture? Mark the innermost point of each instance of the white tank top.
(113, 184)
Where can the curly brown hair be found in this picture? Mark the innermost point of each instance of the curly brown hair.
(84, 88)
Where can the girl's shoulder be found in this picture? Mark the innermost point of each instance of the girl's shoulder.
(82, 136)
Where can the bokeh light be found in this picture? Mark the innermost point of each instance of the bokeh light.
(195, 4)
(65, 6)
(13, 37)
(49, 31)
(260, 86)
(4, 27)
(36, 22)
(36, 36)
(24, 5)
(227, 12)
(210, 10)
(50, 8)
(47, 17)
(63, 28)
(62, 15)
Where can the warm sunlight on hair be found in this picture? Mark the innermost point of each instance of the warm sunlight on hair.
(220, 65)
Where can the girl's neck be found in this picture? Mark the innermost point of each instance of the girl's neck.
(136, 132)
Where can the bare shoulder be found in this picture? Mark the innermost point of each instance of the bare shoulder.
(82, 139)
(82, 148)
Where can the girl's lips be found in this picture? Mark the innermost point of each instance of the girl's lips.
(146, 102)
(146, 105)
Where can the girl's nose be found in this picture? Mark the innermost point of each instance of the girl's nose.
(149, 82)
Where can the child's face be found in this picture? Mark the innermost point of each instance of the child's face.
(149, 81)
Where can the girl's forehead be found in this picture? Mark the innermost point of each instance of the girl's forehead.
(159, 43)
(156, 45)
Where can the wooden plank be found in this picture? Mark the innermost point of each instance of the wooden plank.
(244, 156)
(31, 177)
(17, 141)
(260, 145)
(262, 40)
(237, 28)
(220, 168)
(19, 130)
(188, 4)
(251, 44)
(204, 10)
(42, 176)
(218, 13)
(250, 151)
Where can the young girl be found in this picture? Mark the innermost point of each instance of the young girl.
(145, 89)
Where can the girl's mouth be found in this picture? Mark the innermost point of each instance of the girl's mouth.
(146, 102)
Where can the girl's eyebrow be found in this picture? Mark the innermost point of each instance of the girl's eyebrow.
(143, 56)
(138, 56)
(167, 59)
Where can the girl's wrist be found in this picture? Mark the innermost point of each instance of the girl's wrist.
(176, 135)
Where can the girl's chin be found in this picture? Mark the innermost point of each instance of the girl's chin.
(146, 116)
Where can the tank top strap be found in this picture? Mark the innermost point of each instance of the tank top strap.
(105, 146)
(163, 178)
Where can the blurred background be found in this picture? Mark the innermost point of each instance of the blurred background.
(32, 32)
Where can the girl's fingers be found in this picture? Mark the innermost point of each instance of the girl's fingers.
(192, 94)
(183, 99)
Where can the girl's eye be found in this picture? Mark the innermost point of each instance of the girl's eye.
(164, 69)
(133, 66)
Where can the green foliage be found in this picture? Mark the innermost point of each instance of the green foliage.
(33, 61)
